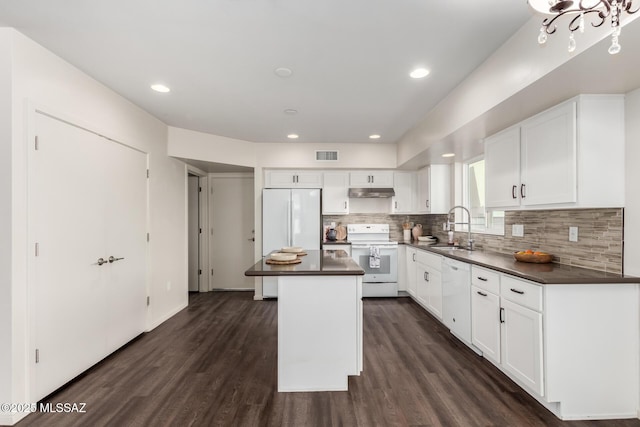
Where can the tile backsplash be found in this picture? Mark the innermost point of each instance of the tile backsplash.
(599, 245)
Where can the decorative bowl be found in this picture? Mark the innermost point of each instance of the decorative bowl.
(534, 258)
(291, 249)
(280, 256)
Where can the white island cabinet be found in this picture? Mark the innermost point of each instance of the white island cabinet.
(319, 320)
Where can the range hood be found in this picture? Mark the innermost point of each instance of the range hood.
(371, 193)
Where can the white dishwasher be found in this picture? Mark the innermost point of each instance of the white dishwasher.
(456, 298)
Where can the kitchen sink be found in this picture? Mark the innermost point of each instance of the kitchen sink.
(449, 248)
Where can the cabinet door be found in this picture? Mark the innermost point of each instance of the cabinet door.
(371, 179)
(439, 189)
(335, 193)
(279, 179)
(548, 163)
(411, 272)
(522, 345)
(429, 293)
(485, 323)
(382, 179)
(404, 187)
(308, 179)
(434, 292)
(423, 190)
(360, 179)
(502, 169)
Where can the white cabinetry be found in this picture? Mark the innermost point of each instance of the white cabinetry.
(411, 265)
(456, 298)
(556, 158)
(382, 179)
(402, 267)
(434, 189)
(561, 343)
(404, 185)
(292, 179)
(429, 282)
(335, 193)
(485, 312)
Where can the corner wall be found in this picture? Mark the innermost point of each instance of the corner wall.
(44, 81)
(5, 219)
(632, 196)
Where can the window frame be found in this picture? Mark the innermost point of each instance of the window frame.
(489, 213)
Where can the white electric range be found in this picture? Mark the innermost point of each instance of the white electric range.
(377, 256)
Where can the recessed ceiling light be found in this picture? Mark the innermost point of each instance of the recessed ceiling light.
(448, 154)
(293, 136)
(419, 73)
(160, 88)
(283, 72)
(374, 136)
(290, 111)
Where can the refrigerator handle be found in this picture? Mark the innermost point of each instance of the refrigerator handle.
(289, 223)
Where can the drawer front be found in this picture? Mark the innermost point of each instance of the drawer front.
(429, 259)
(521, 292)
(486, 279)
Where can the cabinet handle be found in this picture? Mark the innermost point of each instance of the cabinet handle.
(396, 205)
(414, 257)
(522, 192)
(484, 279)
(513, 192)
(454, 268)
(427, 202)
(517, 291)
(501, 315)
(426, 276)
(345, 204)
(481, 293)
(372, 180)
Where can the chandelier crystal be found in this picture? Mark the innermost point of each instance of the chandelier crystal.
(576, 12)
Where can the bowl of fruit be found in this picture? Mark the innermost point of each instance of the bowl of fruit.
(537, 257)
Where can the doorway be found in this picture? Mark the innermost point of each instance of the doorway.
(232, 226)
(197, 213)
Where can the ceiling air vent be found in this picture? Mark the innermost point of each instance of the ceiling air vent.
(327, 156)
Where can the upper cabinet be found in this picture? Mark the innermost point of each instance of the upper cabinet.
(335, 193)
(382, 179)
(556, 158)
(293, 179)
(404, 185)
(434, 189)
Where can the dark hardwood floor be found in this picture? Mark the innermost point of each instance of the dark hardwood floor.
(214, 364)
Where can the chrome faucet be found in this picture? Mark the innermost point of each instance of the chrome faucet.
(468, 224)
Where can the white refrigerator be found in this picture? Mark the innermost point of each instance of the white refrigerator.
(290, 217)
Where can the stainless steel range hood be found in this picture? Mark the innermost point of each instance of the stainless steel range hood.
(371, 193)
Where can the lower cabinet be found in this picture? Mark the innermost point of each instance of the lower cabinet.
(522, 344)
(429, 282)
(485, 323)
(412, 287)
(563, 344)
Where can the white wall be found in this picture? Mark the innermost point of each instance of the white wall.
(43, 80)
(632, 196)
(5, 217)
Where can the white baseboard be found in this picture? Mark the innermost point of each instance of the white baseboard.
(9, 419)
(166, 317)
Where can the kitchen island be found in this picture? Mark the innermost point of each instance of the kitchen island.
(319, 320)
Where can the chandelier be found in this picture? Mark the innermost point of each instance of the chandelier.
(576, 11)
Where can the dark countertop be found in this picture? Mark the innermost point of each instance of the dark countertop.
(546, 274)
(335, 242)
(316, 263)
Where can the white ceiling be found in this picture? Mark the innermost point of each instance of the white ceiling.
(350, 59)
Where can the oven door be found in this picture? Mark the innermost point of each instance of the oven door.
(388, 271)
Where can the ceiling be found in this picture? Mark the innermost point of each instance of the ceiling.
(350, 60)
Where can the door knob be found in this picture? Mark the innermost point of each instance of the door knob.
(114, 259)
(101, 261)
(252, 239)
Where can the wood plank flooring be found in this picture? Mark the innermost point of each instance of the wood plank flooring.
(214, 364)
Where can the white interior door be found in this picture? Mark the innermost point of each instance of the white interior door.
(87, 201)
(232, 247)
(193, 210)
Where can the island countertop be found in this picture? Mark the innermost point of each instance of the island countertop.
(315, 263)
